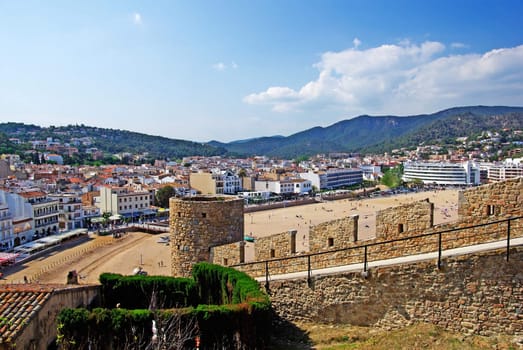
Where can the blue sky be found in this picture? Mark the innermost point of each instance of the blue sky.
(229, 70)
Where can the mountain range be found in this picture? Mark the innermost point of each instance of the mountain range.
(376, 134)
(379, 134)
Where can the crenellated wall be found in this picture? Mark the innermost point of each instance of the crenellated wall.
(333, 234)
(228, 254)
(396, 222)
(417, 218)
(490, 202)
(280, 245)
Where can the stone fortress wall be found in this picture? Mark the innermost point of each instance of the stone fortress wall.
(199, 223)
(480, 293)
(412, 217)
(497, 200)
(274, 246)
(409, 220)
(475, 294)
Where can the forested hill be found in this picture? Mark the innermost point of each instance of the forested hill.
(383, 133)
(109, 141)
(361, 134)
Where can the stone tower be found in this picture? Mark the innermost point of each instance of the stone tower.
(199, 223)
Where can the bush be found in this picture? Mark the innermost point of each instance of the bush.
(227, 307)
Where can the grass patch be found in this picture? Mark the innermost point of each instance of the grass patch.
(419, 336)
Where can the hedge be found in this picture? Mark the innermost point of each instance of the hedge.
(227, 306)
(137, 292)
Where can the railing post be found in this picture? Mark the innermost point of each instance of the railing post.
(508, 238)
(267, 276)
(439, 251)
(365, 259)
(309, 270)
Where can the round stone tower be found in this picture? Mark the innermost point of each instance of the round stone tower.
(199, 223)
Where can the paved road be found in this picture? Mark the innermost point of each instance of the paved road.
(401, 260)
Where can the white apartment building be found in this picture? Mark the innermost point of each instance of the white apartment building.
(71, 213)
(216, 182)
(334, 178)
(457, 174)
(504, 171)
(286, 188)
(255, 196)
(122, 201)
(45, 212)
(90, 212)
(6, 228)
(20, 213)
(371, 172)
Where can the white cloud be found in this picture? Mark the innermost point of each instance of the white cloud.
(220, 66)
(137, 18)
(403, 79)
(459, 46)
(356, 42)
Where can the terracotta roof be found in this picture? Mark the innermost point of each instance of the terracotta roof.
(18, 304)
(75, 180)
(32, 194)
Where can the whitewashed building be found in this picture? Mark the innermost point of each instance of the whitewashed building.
(457, 174)
(334, 178)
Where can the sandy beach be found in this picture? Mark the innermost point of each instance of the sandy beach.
(122, 255)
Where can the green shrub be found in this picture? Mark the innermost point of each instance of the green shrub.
(137, 292)
(227, 306)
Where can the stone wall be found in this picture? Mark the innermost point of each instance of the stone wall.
(280, 245)
(199, 223)
(228, 254)
(41, 330)
(491, 202)
(382, 248)
(417, 220)
(481, 294)
(333, 234)
(394, 222)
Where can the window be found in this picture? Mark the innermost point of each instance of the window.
(179, 214)
(204, 215)
(400, 228)
(225, 261)
(491, 210)
(273, 253)
(330, 242)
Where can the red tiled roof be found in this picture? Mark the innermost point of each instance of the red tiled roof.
(75, 180)
(18, 303)
(32, 194)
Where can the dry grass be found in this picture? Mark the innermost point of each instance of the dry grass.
(420, 336)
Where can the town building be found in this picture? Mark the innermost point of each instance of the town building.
(6, 228)
(285, 188)
(71, 213)
(123, 201)
(45, 212)
(504, 171)
(457, 174)
(21, 214)
(216, 182)
(371, 172)
(333, 178)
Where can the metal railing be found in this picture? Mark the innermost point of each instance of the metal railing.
(445, 240)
